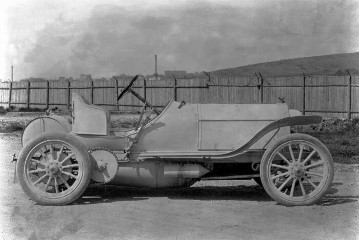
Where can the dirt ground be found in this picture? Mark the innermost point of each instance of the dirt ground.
(207, 210)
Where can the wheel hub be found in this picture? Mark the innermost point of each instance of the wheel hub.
(297, 170)
(53, 169)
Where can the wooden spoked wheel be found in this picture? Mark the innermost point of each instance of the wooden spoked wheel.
(297, 170)
(54, 169)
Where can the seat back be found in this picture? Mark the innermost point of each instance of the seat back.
(89, 118)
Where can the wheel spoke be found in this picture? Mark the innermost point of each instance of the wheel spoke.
(300, 152)
(315, 174)
(291, 153)
(70, 166)
(285, 183)
(314, 165)
(47, 184)
(311, 183)
(59, 153)
(52, 152)
(309, 156)
(302, 188)
(280, 166)
(292, 188)
(38, 162)
(56, 185)
(37, 170)
(284, 158)
(66, 184)
(280, 175)
(70, 174)
(67, 158)
(40, 179)
(42, 153)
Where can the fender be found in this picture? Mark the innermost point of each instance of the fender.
(51, 123)
(284, 122)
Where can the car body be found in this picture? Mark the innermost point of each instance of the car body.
(182, 144)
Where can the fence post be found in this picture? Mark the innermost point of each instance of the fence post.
(209, 78)
(68, 94)
(28, 94)
(303, 97)
(91, 94)
(144, 91)
(10, 92)
(47, 93)
(204, 97)
(261, 88)
(349, 96)
(116, 92)
(174, 88)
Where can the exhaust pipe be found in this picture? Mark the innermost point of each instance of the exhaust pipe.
(185, 171)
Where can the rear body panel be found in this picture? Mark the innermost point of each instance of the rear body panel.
(202, 129)
(230, 126)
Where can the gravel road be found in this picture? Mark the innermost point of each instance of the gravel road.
(207, 210)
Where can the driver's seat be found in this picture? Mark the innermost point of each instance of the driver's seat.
(89, 118)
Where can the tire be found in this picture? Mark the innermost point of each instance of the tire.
(54, 169)
(297, 170)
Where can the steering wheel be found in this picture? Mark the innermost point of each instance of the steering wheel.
(124, 91)
(129, 88)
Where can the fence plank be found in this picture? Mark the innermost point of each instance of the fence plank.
(47, 94)
(38, 94)
(355, 97)
(28, 94)
(68, 94)
(116, 93)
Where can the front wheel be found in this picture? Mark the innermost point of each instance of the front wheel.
(297, 170)
(54, 169)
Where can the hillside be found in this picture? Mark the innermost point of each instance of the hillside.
(335, 64)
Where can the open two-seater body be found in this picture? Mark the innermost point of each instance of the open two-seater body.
(180, 145)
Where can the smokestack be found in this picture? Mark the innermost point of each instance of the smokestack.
(12, 73)
(156, 66)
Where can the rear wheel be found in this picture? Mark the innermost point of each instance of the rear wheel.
(54, 169)
(297, 170)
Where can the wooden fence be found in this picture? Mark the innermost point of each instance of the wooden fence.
(330, 96)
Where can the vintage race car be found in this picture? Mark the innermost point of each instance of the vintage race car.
(176, 147)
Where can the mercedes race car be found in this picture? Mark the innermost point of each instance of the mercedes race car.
(175, 147)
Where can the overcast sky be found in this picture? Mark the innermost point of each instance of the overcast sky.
(43, 38)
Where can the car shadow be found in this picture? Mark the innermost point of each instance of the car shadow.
(330, 200)
(336, 200)
(110, 193)
(102, 194)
